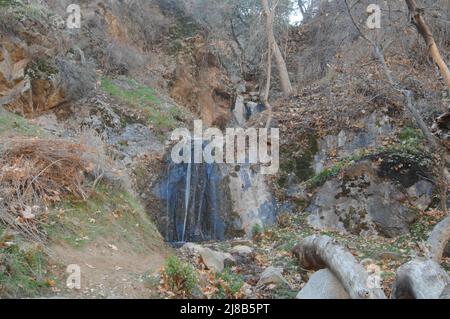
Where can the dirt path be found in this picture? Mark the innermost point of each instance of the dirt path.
(109, 271)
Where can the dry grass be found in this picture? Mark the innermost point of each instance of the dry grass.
(34, 173)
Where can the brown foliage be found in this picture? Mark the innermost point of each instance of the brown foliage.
(35, 173)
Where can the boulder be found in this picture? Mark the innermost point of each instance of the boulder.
(362, 203)
(214, 260)
(243, 251)
(421, 194)
(323, 285)
(272, 275)
(376, 126)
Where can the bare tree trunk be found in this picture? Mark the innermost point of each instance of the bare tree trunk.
(318, 252)
(281, 65)
(434, 143)
(267, 89)
(427, 35)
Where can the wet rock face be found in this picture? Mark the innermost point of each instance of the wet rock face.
(212, 202)
(363, 203)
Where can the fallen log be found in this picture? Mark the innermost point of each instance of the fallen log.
(318, 252)
(420, 279)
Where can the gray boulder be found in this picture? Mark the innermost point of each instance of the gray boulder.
(323, 285)
(243, 251)
(362, 203)
(272, 275)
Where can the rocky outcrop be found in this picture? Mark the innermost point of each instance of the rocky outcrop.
(15, 88)
(203, 85)
(252, 201)
(363, 203)
(37, 76)
(368, 131)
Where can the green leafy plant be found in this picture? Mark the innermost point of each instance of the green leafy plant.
(229, 284)
(180, 276)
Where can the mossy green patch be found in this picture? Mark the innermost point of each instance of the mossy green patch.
(298, 160)
(23, 268)
(146, 100)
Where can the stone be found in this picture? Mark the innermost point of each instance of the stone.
(241, 242)
(323, 285)
(421, 194)
(361, 203)
(192, 247)
(247, 291)
(244, 251)
(214, 260)
(272, 276)
(347, 142)
(251, 199)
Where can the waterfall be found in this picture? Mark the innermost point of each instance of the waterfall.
(187, 194)
(195, 205)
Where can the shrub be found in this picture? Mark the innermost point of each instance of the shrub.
(180, 276)
(229, 284)
(257, 230)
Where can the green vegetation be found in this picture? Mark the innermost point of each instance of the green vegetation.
(180, 276)
(326, 174)
(22, 268)
(409, 148)
(229, 284)
(44, 66)
(144, 98)
(257, 230)
(186, 28)
(298, 160)
(13, 123)
(108, 214)
(7, 3)
(18, 10)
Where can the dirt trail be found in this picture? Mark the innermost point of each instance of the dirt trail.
(109, 271)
